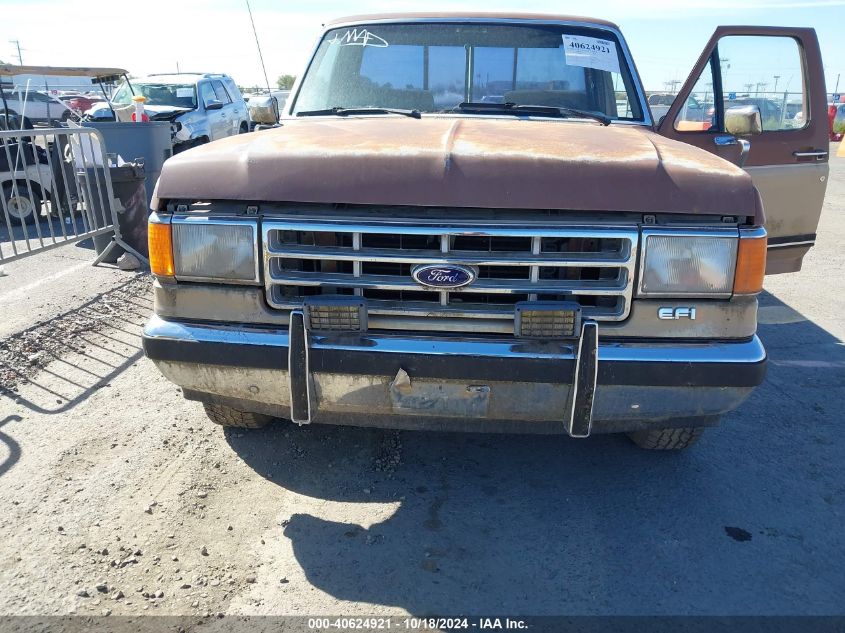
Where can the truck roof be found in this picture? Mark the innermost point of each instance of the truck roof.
(447, 16)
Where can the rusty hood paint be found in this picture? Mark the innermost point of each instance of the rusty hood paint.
(487, 162)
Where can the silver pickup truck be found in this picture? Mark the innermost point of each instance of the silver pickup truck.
(472, 222)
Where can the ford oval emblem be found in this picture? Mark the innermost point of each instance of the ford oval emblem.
(443, 277)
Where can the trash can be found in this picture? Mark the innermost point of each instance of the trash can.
(150, 141)
(130, 204)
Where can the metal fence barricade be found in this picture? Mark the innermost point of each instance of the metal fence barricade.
(55, 189)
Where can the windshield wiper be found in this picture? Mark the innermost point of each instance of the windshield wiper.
(338, 111)
(540, 110)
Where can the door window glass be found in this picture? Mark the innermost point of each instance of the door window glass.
(765, 72)
(698, 113)
(220, 91)
(207, 93)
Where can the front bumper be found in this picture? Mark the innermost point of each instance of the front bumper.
(375, 379)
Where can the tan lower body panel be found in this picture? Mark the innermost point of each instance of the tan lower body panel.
(792, 201)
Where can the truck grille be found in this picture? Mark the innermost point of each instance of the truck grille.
(593, 267)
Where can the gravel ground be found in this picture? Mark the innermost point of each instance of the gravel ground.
(24, 354)
(119, 497)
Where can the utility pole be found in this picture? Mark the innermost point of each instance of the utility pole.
(671, 85)
(17, 44)
(775, 89)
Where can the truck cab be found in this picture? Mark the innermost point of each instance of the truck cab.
(473, 222)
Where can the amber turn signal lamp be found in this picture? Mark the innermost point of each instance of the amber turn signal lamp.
(161, 250)
(750, 265)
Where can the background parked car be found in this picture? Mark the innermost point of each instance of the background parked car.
(836, 116)
(81, 103)
(835, 119)
(770, 112)
(202, 107)
(35, 106)
(25, 179)
(659, 103)
(692, 113)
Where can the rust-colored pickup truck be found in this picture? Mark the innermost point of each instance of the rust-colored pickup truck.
(472, 222)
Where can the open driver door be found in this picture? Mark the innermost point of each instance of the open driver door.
(756, 97)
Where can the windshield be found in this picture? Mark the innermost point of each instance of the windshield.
(158, 94)
(434, 67)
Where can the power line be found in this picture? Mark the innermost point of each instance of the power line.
(258, 46)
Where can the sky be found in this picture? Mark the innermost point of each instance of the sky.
(665, 36)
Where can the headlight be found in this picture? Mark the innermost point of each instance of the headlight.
(215, 250)
(675, 263)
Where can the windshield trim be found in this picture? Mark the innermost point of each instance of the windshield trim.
(626, 53)
(472, 115)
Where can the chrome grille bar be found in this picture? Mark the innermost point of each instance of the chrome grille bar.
(444, 248)
(412, 256)
(496, 286)
(536, 244)
(356, 262)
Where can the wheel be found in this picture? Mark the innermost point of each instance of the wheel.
(667, 439)
(194, 142)
(244, 128)
(227, 416)
(8, 120)
(23, 202)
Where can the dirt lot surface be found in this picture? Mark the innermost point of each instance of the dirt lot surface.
(120, 497)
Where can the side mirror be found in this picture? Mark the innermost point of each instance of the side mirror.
(743, 120)
(263, 110)
(213, 104)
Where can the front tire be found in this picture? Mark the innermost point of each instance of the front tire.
(667, 439)
(191, 144)
(229, 417)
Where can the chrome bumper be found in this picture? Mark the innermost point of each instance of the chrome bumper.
(455, 383)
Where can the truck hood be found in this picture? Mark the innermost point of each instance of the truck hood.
(486, 162)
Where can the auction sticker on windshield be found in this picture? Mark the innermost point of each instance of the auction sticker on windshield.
(591, 52)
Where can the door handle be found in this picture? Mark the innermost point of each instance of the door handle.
(818, 154)
(744, 146)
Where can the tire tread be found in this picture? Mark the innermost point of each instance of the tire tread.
(229, 417)
(667, 439)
